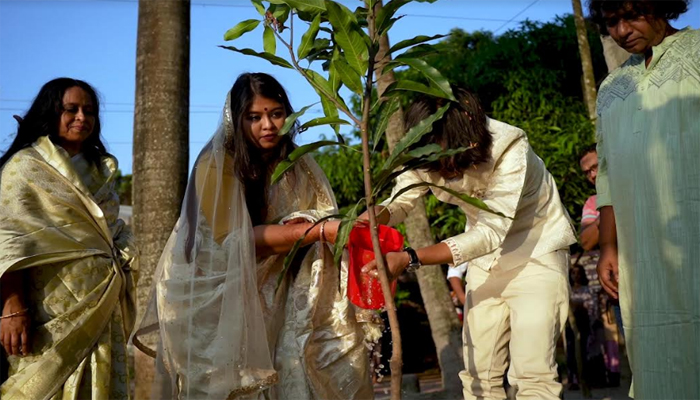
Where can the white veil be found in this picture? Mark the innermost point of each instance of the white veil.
(204, 313)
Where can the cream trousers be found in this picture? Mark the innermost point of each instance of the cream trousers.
(514, 318)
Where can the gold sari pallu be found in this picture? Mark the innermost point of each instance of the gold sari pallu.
(78, 262)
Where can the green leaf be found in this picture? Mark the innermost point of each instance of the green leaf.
(361, 14)
(324, 90)
(242, 27)
(313, 6)
(279, 10)
(346, 225)
(323, 121)
(291, 119)
(390, 24)
(334, 79)
(331, 111)
(259, 6)
(414, 159)
(433, 75)
(348, 35)
(416, 40)
(269, 41)
(412, 86)
(386, 13)
(414, 135)
(307, 40)
(266, 56)
(478, 203)
(294, 156)
(347, 74)
(387, 109)
(418, 51)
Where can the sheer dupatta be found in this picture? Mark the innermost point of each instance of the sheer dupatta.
(222, 325)
(204, 313)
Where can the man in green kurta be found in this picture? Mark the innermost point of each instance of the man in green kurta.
(649, 193)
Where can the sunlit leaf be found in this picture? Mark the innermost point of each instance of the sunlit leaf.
(291, 119)
(279, 10)
(387, 109)
(346, 225)
(242, 27)
(348, 35)
(325, 91)
(269, 41)
(418, 51)
(312, 6)
(386, 13)
(412, 86)
(259, 6)
(266, 56)
(414, 135)
(334, 78)
(411, 160)
(347, 74)
(307, 40)
(433, 75)
(323, 121)
(294, 156)
(414, 41)
(473, 201)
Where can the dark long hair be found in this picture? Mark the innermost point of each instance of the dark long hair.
(662, 9)
(463, 125)
(44, 115)
(254, 166)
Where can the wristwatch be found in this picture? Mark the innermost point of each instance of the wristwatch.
(413, 261)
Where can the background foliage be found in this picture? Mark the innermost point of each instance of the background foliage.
(529, 77)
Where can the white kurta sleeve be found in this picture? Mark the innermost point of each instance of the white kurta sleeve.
(399, 207)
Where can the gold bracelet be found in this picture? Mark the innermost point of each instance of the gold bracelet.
(14, 314)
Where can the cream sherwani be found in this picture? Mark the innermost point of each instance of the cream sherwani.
(517, 285)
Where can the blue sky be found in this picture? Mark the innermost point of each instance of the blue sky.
(95, 40)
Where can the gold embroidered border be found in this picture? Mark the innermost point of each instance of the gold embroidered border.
(256, 387)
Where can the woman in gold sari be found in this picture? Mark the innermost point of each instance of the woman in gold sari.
(66, 260)
(226, 320)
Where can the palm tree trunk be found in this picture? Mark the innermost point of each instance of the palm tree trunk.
(161, 141)
(444, 324)
(614, 54)
(589, 91)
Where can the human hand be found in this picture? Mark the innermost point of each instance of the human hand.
(608, 272)
(14, 330)
(396, 262)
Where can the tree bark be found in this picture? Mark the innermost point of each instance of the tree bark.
(444, 324)
(589, 91)
(614, 54)
(161, 142)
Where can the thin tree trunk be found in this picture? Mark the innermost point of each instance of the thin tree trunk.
(161, 141)
(589, 91)
(614, 54)
(444, 324)
(396, 362)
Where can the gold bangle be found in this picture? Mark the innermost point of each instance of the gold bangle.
(14, 314)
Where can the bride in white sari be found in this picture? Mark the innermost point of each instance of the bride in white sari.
(220, 325)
